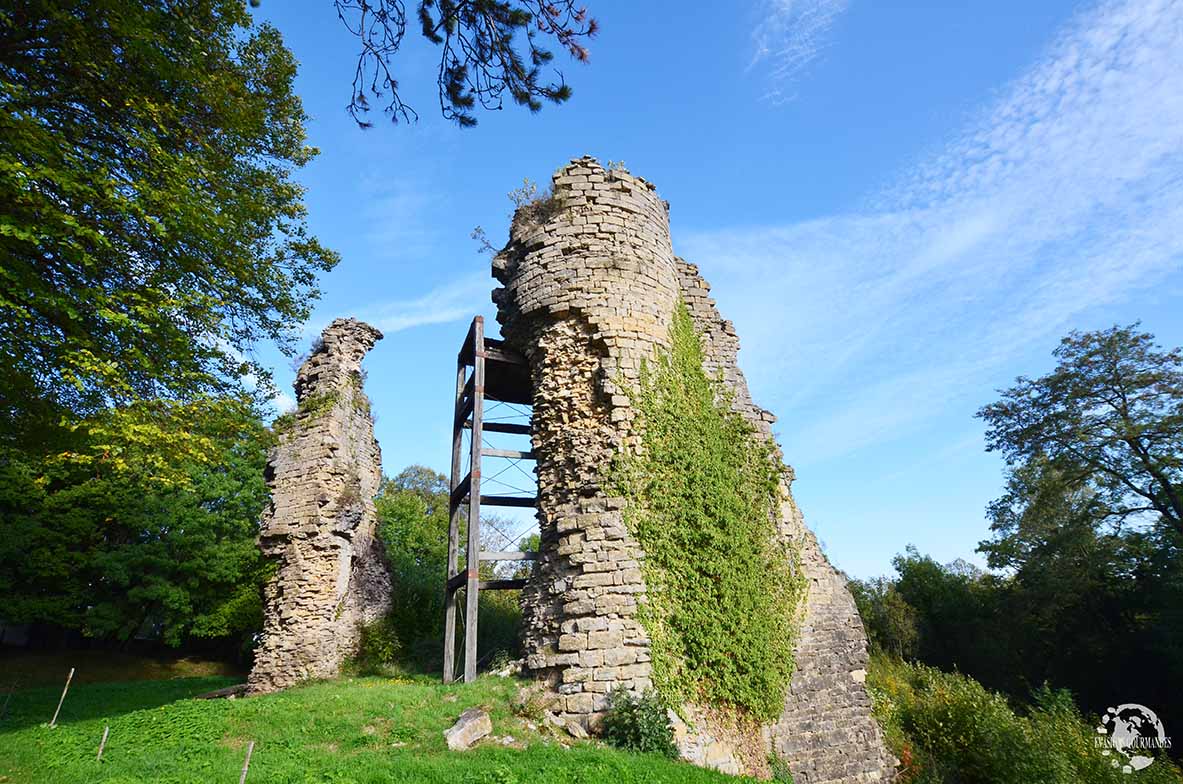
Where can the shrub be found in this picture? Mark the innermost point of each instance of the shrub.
(639, 724)
(947, 729)
(378, 647)
(533, 205)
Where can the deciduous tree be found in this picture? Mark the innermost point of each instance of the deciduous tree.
(1110, 416)
(151, 232)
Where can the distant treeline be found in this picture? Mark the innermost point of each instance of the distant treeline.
(1085, 591)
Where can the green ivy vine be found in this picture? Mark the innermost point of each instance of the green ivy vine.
(703, 491)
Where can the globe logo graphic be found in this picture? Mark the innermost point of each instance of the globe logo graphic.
(1132, 731)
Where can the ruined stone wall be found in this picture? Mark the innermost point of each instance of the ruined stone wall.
(826, 731)
(587, 296)
(590, 286)
(319, 531)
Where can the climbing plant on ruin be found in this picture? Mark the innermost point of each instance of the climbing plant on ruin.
(703, 489)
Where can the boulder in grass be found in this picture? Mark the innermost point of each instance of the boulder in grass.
(473, 725)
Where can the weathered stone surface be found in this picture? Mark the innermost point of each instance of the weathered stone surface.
(700, 746)
(472, 725)
(826, 732)
(319, 531)
(587, 296)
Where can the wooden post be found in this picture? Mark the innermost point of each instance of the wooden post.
(103, 742)
(474, 501)
(250, 747)
(454, 528)
(7, 698)
(53, 722)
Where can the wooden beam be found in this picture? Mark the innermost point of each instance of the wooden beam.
(456, 582)
(509, 500)
(502, 585)
(460, 491)
(509, 555)
(504, 427)
(501, 354)
(514, 454)
(454, 530)
(466, 355)
(474, 501)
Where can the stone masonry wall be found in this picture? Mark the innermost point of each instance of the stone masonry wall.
(826, 731)
(331, 573)
(587, 296)
(590, 284)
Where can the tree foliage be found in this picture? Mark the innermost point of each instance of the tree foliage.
(95, 540)
(480, 59)
(1087, 588)
(1110, 419)
(413, 524)
(891, 623)
(945, 728)
(152, 232)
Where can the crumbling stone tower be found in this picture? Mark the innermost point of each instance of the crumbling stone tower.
(319, 530)
(590, 285)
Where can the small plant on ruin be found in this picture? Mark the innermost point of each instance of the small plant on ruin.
(534, 205)
(283, 423)
(361, 401)
(317, 405)
(703, 490)
(779, 770)
(482, 239)
(639, 723)
(616, 166)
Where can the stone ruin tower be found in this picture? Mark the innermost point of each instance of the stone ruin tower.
(319, 530)
(589, 289)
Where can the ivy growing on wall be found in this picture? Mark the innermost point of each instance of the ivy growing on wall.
(703, 489)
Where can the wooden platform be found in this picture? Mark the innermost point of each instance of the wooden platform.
(497, 374)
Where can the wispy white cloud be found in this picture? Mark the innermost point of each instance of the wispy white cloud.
(1063, 196)
(789, 35)
(451, 302)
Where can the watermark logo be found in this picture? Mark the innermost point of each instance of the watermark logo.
(1134, 733)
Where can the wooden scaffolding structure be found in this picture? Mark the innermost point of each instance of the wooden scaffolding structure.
(498, 374)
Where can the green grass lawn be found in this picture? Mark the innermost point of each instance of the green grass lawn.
(352, 731)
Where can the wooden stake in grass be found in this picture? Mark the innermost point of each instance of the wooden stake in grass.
(53, 722)
(4, 710)
(103, 742)
(250, 747)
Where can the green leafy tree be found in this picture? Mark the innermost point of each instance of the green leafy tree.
(482, 56)
(413, 523)
(1110, 416)
(103, 545)
(1091, 521)
(954, 606)
(892, 623)
(151, 231)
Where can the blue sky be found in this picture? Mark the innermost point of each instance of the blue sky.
(902, 207)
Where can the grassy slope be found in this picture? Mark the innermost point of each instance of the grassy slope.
(354, 731)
